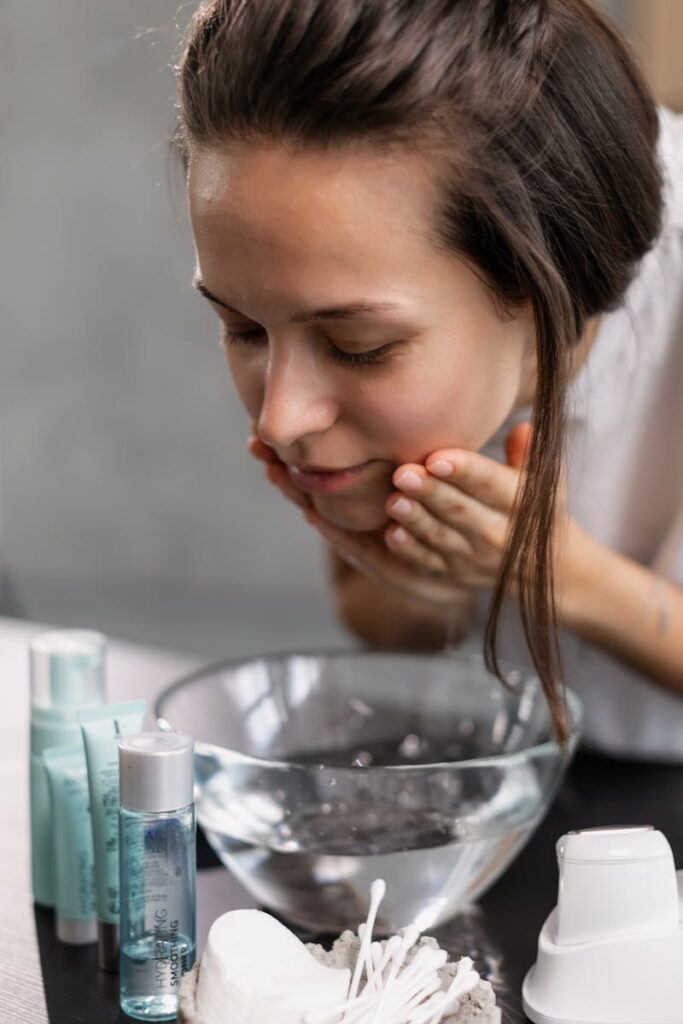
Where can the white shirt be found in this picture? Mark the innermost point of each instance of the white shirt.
(625, 473)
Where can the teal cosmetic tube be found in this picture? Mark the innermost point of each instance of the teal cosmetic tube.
(101, 729)
(75, 919)
(67, 673)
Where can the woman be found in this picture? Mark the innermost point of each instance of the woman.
(424, 227)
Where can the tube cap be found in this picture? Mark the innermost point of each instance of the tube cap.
(68, 669)
(156, 771)
(76, 931)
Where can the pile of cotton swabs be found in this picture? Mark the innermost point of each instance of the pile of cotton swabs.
(396, 992)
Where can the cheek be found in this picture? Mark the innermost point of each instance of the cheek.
(443, 408)
(410, 421)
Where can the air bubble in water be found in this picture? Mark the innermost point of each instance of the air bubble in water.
(411, 746)
(363, 759)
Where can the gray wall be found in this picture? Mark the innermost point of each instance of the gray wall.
(127, 498)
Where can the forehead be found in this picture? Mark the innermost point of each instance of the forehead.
(333, 207)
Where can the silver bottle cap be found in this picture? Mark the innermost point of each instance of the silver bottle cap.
(68, 669)
(156, 771)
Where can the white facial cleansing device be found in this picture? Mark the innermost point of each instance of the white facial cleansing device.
(611, 952)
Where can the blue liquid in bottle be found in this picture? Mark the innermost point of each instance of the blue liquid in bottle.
(158, 901)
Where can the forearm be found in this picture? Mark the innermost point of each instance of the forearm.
(625, 609)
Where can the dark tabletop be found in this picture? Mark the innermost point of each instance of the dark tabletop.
(501, 932)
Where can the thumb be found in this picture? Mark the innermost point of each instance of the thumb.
(517, 444)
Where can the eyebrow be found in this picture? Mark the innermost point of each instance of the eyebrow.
(349, 311)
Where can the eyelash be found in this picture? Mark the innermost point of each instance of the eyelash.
(352, 359)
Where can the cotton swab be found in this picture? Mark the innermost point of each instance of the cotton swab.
(410, 937)
(396, 992)
(377, 892)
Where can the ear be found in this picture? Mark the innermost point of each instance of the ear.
(517, 444)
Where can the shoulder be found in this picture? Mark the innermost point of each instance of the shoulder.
(671, 161)
(652, 304)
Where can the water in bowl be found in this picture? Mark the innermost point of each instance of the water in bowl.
(436, 845)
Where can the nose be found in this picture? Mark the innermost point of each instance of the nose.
(296, 401)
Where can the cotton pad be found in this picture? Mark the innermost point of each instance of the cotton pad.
(255, 971)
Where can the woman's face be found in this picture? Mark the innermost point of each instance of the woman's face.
(363, 345)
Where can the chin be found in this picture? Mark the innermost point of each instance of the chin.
(357, 516)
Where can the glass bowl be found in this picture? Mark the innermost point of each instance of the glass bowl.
(319, 772)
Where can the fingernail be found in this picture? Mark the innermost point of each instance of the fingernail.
(440, 468)
(400, 535)
(401, 507)
(409, 480)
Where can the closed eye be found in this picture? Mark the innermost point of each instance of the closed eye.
(338, 355)
(242, 337)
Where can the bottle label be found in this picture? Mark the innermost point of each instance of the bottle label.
(167, 958)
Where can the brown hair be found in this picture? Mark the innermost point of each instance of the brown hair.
(550, 182)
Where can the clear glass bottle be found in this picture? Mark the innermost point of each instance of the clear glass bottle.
(157, 871)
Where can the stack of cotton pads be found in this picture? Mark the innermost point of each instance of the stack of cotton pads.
(255, 971)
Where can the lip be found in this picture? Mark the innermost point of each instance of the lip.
(314, 480)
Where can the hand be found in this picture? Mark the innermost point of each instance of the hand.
(368, 554)
(455, 511)
(365, 552)
(453, 517)
(454, 523)
(453, 535)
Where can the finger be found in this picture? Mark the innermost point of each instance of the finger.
(452, 506)
(276, 471)
(517, 445)
(365, 550)
(414, 551)
(440, 536)
(277, 474)
(359, 544)
(260, 450)
(354, 548)
(487, 480)
(370, 555)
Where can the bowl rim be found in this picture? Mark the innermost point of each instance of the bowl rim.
(574, 704)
